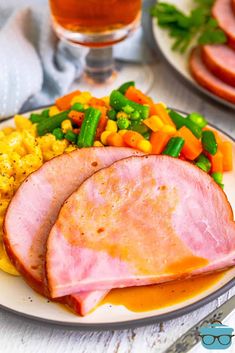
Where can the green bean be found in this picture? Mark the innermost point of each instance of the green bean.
(88, 129)
(180, 121)
(197, 119)
(118, 101)
(174, 147)
(209, 142)
(48, 125)
(124, 87)
(203, 163)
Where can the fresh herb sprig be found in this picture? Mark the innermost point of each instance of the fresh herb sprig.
(184, 28)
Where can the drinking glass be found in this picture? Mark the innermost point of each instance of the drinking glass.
(98, 25)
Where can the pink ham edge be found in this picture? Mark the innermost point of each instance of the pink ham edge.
(206, 79)
(220, 60)
(35, 207)
(202, 208)
(223, 12)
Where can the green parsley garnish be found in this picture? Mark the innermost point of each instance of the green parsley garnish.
(183, 28)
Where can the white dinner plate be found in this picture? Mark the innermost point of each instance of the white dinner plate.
(17, 296)
(179, 62)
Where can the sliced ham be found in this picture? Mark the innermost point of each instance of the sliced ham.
(220, 60)
(141, 221)
(206, 79)
(223, 12)
(233, 5)
(35, 207)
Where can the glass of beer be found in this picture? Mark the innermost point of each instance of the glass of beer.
(98, 25)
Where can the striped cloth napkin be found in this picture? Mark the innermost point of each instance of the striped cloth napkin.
(35, 67)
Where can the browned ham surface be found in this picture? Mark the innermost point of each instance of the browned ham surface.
(207, 79)
(223, 12)
(143, 220)
(220, 60)
(35, 207)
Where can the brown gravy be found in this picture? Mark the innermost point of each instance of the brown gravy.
(147, 298)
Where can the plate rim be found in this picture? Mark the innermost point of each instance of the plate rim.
(193, 85)
(135, 322)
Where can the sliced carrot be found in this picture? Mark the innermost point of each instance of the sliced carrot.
(76, 117)
(154, 123)
(216, 162)
(137, 96)
(94, 102)
(64, 103)
(159, 141)
(132, 138)
(226, 149)
(116, 140)
(162, 113)
(102, 123)
(192, 147)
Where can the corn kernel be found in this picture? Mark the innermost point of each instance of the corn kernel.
(2, 135)
(4, 147)
(5, 263)
(168, 129)
(66, 126)
(59, 146)
(14, 139)
(53, 111)
(6, 184)
(154, 123)
(82, 98)
(22, 122)
(6, 166)
(104, 136)
(122, 132)
(106, 100)
(111, 126)
(163, 104)
(144, 146)
(122, 115)
(3, 206)
(8, 130)
(98, 144)
(70, 148)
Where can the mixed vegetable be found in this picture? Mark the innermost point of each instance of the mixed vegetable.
(130, 118)
(127, 118)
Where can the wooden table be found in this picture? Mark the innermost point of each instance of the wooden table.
(19, 335)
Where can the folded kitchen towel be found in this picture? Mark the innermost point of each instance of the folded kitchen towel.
(35, 67)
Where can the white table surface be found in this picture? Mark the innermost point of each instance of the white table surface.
(20, 335)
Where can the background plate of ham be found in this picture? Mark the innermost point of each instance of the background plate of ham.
(18, 297)
(210, 83)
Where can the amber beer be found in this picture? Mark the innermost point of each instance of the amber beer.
(95, 16)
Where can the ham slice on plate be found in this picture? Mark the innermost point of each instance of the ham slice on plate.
(233, 5)
(220, 60)
(141, 221)
(35, 207)
(206, 79)
(223, 12)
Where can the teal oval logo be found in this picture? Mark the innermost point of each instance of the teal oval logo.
(216, 336)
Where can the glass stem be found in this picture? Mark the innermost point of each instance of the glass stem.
(100, 64)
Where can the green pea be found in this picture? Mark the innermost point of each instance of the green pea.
(58, 133)
(123, 123)
(128, 109)
(135, 115)
(71, 136)
(112, 114)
